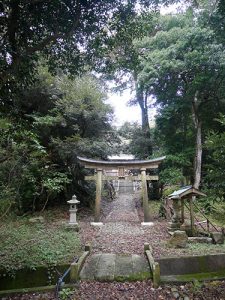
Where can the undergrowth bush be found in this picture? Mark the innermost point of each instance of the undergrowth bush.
(25, 245)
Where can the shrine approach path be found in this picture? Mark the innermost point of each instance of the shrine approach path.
(122, 231)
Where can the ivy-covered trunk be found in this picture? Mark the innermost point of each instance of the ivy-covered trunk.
(198, 142)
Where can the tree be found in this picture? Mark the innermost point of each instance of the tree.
(134, 140)
(61, 119)
(183, 66)
(61, 31)
(79, 124)
(27, 172)
(215, 144)
(119, 60)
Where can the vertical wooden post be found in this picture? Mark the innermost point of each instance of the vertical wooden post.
(145, 196)
(182, 211)
(192, 214)
(98, 194)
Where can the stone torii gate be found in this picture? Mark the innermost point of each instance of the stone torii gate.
(100, 165)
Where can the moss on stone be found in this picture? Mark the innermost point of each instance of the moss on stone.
(202, 263)
(133, 277)
(195, 276)
(26, 278)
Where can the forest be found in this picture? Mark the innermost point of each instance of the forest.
(58, 60)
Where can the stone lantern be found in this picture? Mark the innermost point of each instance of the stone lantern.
(73, 212)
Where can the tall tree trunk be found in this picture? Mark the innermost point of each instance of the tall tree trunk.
(198, 142)
(142, 101)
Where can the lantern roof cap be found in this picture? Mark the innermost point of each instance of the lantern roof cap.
(73, 200)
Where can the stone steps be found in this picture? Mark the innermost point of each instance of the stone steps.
(115, 267)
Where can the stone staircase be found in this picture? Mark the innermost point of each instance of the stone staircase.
(115, 267)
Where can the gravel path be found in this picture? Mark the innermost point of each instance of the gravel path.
(122, 231)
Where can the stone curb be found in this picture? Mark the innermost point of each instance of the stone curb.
(154, 266)
(76, 267)
(34, 289)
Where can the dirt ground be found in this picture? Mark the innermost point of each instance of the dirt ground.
(140, 290)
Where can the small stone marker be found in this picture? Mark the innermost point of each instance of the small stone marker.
(175, 292)
(218, 237)
(96, 224)
(73, 213)
(147, 224)
(179, 239)
(37, 220)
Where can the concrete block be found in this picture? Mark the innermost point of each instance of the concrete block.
(96, 224)
(147, 224)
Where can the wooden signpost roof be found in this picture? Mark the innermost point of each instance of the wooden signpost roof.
(129, 164)
(186, 192)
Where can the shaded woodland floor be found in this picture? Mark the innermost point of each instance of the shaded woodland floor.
(122, 233)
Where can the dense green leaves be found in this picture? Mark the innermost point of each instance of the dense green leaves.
(215, 144)
(178, 61)
(183, 67)
(60, 118)
(63, 31)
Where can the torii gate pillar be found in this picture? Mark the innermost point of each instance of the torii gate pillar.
(147, 216)
(98, 195)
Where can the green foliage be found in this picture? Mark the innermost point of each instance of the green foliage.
(62, 31)
(61, 118)
(217, 211)
(141, 144)
(169, 190)
(171, 176)
(56, 183)
(37, 244)
(214, 178)
(135, 140)
(8, 199)
(196, 286)
(27, 172)
(183, 57)
(215, 144)
(188, 56)
(65, 293)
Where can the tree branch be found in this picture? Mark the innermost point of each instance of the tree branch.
(52, 38)
(12, 27)
(3, 159)
(17, 57)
